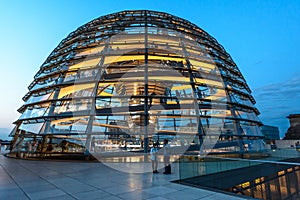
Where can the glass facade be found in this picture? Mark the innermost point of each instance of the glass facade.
(125, 80)
(272, 174)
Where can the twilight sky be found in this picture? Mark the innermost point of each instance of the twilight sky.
(261, 36)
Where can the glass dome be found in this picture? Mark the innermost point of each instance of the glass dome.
(128, 79)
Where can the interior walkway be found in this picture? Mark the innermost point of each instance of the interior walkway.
(32, 179)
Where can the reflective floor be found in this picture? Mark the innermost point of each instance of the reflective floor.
(29, 179)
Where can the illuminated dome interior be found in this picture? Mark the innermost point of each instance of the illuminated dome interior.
(125, 80)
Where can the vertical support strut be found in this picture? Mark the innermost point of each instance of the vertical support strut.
(146, 110)
(89, 128)
(47, 126)
(98, 77)
(236, 126)
(200, 129)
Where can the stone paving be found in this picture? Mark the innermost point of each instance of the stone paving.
(34, 179)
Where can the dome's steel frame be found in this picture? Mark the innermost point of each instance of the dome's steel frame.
(58, 72)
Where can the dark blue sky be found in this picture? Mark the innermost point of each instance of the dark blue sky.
(261, 36)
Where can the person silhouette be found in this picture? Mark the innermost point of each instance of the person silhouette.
(154, 157)
(167, 154)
